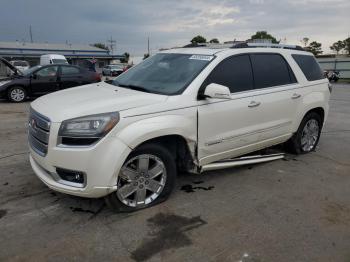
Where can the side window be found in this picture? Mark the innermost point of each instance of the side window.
(234, 72)
(47, 71)
(309, 66)
(69, 70)
(271, 70)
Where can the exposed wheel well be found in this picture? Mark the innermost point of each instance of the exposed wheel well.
(317, 110)
(178, 146)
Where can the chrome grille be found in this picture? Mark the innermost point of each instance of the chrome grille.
(39, 132)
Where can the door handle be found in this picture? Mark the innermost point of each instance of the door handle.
(296, 95)
(254, 104)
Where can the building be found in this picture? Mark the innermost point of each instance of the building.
(339, 63)
(76, 54)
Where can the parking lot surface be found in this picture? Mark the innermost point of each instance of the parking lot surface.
(296, 209)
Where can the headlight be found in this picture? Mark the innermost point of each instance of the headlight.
(88, 129)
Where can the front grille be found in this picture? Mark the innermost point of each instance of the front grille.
(39, 132)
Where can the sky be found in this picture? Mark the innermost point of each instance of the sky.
(170, 23)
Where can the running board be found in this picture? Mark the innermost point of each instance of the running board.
(246, 160)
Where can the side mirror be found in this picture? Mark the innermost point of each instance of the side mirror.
(217, 91)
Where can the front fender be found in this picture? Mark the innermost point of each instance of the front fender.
(157, 126)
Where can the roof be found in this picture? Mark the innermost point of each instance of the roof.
(49, 46)
(27, 49)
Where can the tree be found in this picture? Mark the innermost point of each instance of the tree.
(198, 39)
(347, 45)
(315, 48)
(337, 46)
(101, 45)
(126, 57)
(305, 41)
(214, 41)
(264, 35)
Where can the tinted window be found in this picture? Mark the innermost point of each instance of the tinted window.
(234, 72)
(47, 71)
(271, 70)
(309, 66)
(67, 70)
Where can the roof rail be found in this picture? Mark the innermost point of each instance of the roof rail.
(270, 45)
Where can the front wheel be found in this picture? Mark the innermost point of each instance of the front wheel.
(306, 138)
(16, 94)
(146, 179)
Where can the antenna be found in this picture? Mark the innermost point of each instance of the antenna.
(30, 33)
(112, 43)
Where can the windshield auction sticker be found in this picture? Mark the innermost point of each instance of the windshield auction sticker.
(202, 57)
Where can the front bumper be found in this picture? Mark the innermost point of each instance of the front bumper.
(100, 163)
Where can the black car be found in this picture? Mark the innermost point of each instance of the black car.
(39, 80)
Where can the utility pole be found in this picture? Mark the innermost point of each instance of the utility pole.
(30, 34)
(112, 43)
(148, 45)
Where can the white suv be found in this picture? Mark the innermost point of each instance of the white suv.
(183, 109)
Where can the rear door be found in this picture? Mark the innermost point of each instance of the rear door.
(44, 80)
(69, 76)
(278, 96)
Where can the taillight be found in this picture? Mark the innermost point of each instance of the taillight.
(97, 77)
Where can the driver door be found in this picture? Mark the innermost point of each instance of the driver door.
(226, 127)
(44, 80)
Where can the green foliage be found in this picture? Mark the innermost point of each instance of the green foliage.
(198, 39)
(305, 41)
(347, 45)
(337, 46)
(315, 48)
(126, 58)
(264, 35)
(214, 41)
(101, 45)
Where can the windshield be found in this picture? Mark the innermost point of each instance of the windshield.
(20, 63)
(167, 74)
(59, 61)
(31, 70)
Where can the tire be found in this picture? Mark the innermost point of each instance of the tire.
(134, 183)
(307, 131)
(16, 94)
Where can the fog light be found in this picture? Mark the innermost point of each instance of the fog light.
(71, 175)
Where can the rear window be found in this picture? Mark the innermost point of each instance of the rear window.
(309, 66)
(59, 61)
(271, 70)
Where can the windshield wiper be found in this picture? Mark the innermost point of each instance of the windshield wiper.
(135, 87)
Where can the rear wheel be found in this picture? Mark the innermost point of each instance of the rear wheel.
(306, 138)
(16, 94)
(146, 178)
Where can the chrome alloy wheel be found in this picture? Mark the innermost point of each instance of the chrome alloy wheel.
(141, 180)
(17, 94)
(310, 135)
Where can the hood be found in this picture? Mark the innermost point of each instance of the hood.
(92, 99)
(12, 68)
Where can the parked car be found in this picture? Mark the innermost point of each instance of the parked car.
(40, 80)
(112, 70)
(21, 65)
(52, 59)
(187, 109)
(332, 76)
